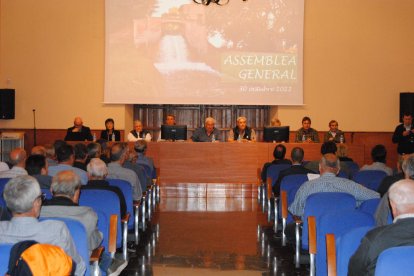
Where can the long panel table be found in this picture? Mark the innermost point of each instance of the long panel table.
(187, 162)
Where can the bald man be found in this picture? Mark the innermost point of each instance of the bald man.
(78, 132)
(399, 233)
(18, 161)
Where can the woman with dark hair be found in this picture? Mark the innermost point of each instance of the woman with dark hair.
(110, 134)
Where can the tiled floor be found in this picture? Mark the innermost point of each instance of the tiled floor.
(214, 232)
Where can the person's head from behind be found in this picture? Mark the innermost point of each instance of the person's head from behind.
(401, 196)
(297, 155)
(97, 169)
(140, 146)
(342, 150)
(78, 122)
(50, 151)
(328, 147)
(36, 164)
(39, 150)
(58, 143)
(65, 154)
(329, 164)
(137, 125)
(81, 152)
(279, 152)
(306, 123)
(408, 167)
(94, 150)
(275, 122)
(407, 118)
(66, 184)
(379, 154)
(18, 157)
(209, 124)
(118, 153)
(241, 123)
(23, 196)
(333, 126)
(109, 124)
(170, 120)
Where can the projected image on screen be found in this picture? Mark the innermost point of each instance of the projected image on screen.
(179, 52)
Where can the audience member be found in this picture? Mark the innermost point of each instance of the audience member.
(334, 134)
(23, 198)
(279, 158)
(379, 156)
(18, 161)
(399, 233)
(97, 172)
(39, 150)
(342, 153)
(66, 157)
(4, 167)
(50, 155)
(105, 150)
(328, 182)
(242, 132)
(81, 154)
(297, 155)
(306, 134)
(78, 132)
(94, 151)
(110, 134)
(326, 147)
(116, 171)
(138, 133)
(208, 133)
(140, 148)
(65, 203)
(37, 167)
(383, 209)
(404, 135)
(391, 179)
(131, 163)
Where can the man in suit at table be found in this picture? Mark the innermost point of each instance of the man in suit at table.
(78, 132)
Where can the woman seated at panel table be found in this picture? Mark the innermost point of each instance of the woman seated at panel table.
(110, 134)
(242, 132)
(138, 133)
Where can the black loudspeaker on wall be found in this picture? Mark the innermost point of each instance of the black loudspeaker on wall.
(7, 103)
(406, 103)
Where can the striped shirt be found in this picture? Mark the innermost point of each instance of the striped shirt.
(328, 182)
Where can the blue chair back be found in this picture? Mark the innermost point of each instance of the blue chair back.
(104, 203)
(352, 167)
(370, 206)
(291, 184)
(319, 203)
(147, 169)
(47, 193)
(370, 178)
(3, 182)
(4, 257)
(126, 189)
(79, 236)
(346, 245)
(337, 223)
(396, 261)
(274, 170)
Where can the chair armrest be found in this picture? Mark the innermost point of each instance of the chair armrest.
(113, 224)
(312, 234)
(96, 254)
(331, 254)
(269, 188)
(283, 198)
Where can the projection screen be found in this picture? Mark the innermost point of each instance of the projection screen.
(179, 52)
